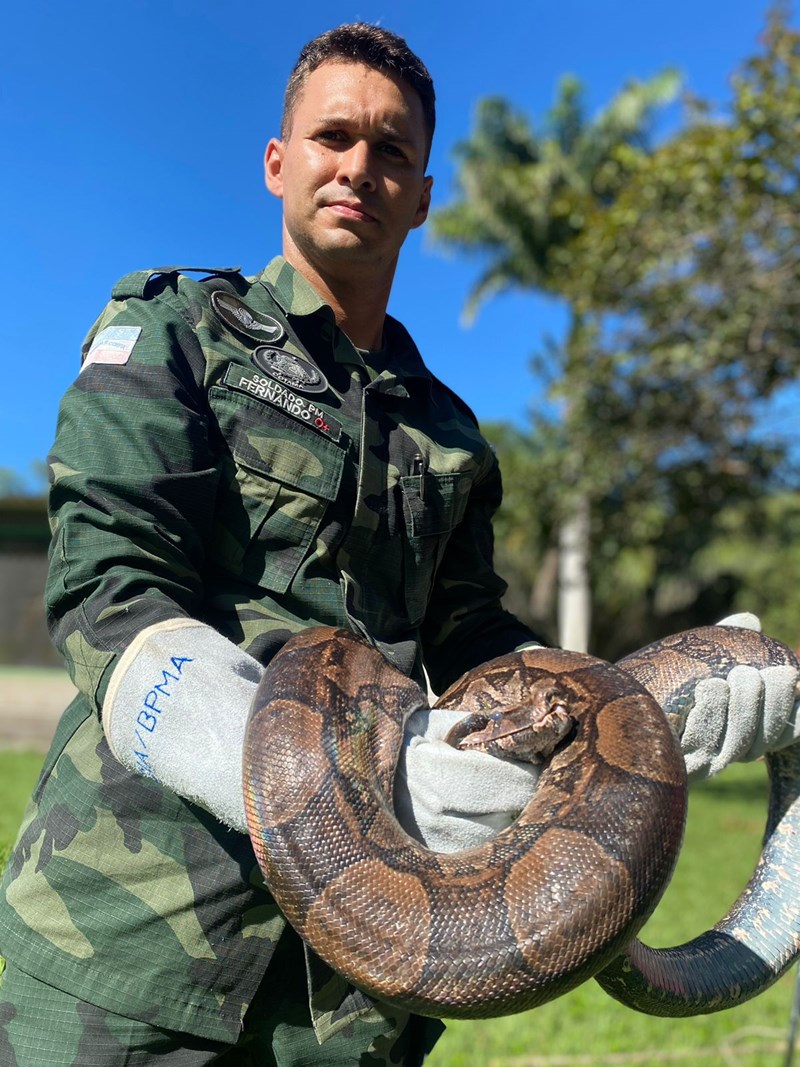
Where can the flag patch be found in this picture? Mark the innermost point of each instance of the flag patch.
(113, 345)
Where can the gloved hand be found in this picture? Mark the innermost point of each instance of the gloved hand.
(450, 799)
(176, 709)
(741, 717)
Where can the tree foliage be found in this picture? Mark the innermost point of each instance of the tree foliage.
(698, 260)
(681, 267)
(691, 282)
(523, 196)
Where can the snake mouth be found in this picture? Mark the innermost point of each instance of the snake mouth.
(530, 732)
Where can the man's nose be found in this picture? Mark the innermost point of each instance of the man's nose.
(355, 167)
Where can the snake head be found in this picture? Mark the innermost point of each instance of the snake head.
(530, 731)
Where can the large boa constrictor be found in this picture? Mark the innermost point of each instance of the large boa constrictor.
(556, 898)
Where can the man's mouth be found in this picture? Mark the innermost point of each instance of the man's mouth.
(351, 209)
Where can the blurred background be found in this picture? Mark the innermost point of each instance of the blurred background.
(609, 278)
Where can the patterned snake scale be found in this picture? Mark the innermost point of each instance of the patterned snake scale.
(553, 900)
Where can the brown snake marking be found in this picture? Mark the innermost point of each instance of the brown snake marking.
(497, 929)
(547, 903)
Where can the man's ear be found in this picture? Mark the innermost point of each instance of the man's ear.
(424, 203)
(273, 167)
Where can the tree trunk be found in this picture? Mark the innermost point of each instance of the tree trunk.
(574, 595)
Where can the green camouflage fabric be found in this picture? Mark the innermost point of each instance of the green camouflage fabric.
(44, 1027)
(227, 455)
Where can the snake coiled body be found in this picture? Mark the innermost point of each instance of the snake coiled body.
(544, 905)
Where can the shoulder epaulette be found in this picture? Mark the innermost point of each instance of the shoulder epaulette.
(135, 283)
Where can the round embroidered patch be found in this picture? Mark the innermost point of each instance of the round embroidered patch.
(290, 369)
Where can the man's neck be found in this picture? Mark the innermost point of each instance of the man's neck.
(358, 302)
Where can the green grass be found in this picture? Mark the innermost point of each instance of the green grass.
(18, 774)
(586, 1028)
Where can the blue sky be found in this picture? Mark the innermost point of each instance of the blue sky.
(132, 135)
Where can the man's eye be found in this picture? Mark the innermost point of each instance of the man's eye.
(392, 150)
(330, 135)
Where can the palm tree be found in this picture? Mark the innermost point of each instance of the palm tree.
(522, 199)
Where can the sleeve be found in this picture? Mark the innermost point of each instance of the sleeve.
(133, 481)
(465, 624)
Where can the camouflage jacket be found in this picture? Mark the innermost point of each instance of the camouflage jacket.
(226, 454)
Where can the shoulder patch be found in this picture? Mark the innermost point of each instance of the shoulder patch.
(112, 345)
(135, 284)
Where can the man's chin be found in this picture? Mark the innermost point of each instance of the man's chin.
(345, 242)
(348, 249)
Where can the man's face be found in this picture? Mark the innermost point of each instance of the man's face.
(351, 173)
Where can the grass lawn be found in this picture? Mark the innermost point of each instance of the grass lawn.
(586, 1028)
(18, 774)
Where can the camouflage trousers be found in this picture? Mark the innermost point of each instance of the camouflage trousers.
(41, 1026)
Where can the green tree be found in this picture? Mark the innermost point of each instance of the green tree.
(698, 258)
(682, 281)
(691, 281)
(523, 199)
(524, 538)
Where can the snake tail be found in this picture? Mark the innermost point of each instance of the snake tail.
(758, 940)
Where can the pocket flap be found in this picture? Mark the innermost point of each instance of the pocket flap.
(271, 443)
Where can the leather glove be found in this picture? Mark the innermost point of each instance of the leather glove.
(741, 717)
(451, 799)
(176, 709)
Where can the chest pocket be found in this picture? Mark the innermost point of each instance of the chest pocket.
(433, 505)
(280, 478)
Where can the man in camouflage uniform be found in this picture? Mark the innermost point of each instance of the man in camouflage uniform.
(240, 458)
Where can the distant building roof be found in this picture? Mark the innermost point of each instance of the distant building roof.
(23, 523)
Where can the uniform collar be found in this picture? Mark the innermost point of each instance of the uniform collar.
(297, 297)
(290, 289)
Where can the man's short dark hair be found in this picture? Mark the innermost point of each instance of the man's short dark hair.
(361, 42)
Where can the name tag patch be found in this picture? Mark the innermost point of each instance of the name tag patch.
(272, 392)
(113, 345)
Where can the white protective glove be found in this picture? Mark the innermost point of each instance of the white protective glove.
(451, 799)
(743, 716)
(176, 709)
